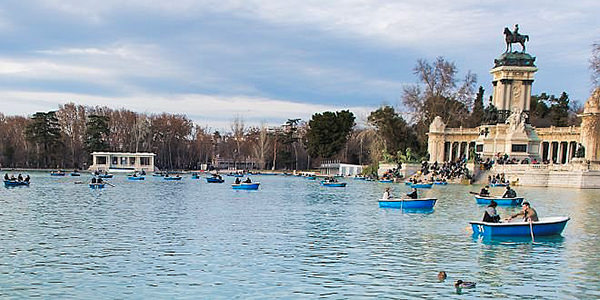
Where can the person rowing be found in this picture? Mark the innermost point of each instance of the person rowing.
(484, 191)
(491, 215)
(510, 193)
(387, 194)
(413, 195)
(528, 213)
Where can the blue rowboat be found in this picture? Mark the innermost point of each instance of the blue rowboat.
(214, 180)
(386, 180)
(311, 177)
(75, 174)
(501, 201)
(172, 178)
(440, 182)
(545, 226)
(246, 186)
(333, 184)
(135, 177)
(10, 183)
(105, 176)
(408, 183)
(195, 176)
(498, 184)
(57, 174)
(268, 174)
(424, 203)
(235, 175)
(97, 185)
(422, 185)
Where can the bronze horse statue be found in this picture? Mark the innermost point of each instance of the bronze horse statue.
(512, 38)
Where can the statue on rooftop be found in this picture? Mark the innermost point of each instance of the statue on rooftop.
(513, 37)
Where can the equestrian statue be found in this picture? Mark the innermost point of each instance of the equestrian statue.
(515, 37)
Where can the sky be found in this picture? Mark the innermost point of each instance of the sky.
(269, 61)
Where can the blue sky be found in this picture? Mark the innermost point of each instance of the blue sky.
(271, 60)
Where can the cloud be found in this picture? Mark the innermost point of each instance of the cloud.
(202, 108)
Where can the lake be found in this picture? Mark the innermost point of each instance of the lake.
(290, 239)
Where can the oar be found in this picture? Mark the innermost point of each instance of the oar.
(109, 183)
(531, 230)
(78, 182)
(474, 193)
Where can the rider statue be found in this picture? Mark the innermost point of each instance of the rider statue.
(515, 37)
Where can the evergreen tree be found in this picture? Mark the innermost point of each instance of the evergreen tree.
(478, 110)
(328, 133)
(96, 133)
(44, 132)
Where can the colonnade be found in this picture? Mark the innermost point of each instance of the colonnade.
(558, 152)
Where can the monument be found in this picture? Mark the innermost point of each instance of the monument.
(552, 156)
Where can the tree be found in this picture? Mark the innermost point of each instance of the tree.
(438, 93)
(328, 132)
(549, 110)
(392, 130)
(44, 132)
(476, 117)
(96, 133)
(595, 64)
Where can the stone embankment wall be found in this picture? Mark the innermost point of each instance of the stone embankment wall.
(578, 174)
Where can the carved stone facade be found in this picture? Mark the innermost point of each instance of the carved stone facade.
(590, 127)
(512, 89)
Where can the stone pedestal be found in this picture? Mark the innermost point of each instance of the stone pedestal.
(512, 79)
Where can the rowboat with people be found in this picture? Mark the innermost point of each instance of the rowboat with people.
(543, 227)
(386, 180)
(499, 184)
(246, 186)
(333, 184)
(423, 203)
(57, 173)
(167, 177)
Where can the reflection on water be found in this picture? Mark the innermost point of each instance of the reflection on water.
(290, 239)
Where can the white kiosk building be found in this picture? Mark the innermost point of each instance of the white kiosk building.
(122, 161)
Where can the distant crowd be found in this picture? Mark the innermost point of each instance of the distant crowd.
(446, 171)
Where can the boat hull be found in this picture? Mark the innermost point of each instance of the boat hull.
(440, 183)
(333, 184)
(57, 174)
(425, 203)
(105, 176)
(544, 227)
(422, 185)
(172, 178)
(214, 180)
(386, 181)
(311, 178)
(501, 201)
(245, 186)
(9, 183)
(96, 185)
(75, 174)
(498, 184)
(135, 178)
